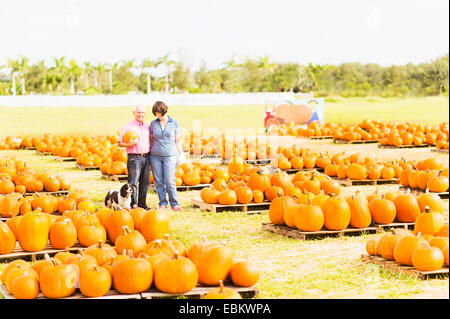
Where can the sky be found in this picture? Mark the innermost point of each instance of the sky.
(213, 31)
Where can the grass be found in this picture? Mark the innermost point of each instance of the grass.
(328, 268)
(104, 120)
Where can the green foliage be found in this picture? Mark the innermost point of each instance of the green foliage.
(347, 80)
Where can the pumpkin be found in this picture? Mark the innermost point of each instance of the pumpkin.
(58, 281)
(308, 217)
(405, 247)
(95, 281)
(42, 263)
(336, 213)
(214, 264)
(330, 186)
(244, 194)
(33, 230)
(222, 293)
(259, 181)
(371, 246)
(177, 245)
(245, 273)
(356, 172)
(407, 208)
(386, 245)
(258, 196)
(101, 252)
(17, 272)
(66, 204)
(433, 201)
(177, 275)
(227, 197)
(159, 246)
(383, 211)
(91, 234)
(155, 224)
(137, 213)
(196, 249)
(427, 258)
(277, 208)
(63, 234)
(130, 240)
(429, 222)
(114, 222)
(7, 239)
(438, 184)
(359, 210)
(132, 276)
(439, 242)
(25, 287)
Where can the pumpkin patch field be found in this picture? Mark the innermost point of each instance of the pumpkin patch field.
(394, 201)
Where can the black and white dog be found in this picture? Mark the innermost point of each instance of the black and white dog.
(119, 199)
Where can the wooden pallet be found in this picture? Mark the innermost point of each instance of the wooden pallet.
(196, 293)
(115, 178)
(111, 294)
(296, 170)
(183, 188)
(396, 267)
(405, 146)
(304, 235)
(251, 161)
(326, 137)
(252, 208)
(199, 291)
(65, 159)
(440, 150)
(418, 191)
(87, 168)
(336, 141)
(19, 253)
(359, 182)
(31, 148)
(58, 193)
(44, 153)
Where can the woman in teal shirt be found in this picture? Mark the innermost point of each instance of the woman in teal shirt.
(165, 154)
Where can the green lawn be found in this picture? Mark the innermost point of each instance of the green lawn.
(101, 120)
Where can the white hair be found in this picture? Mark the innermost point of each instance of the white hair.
(136, 107)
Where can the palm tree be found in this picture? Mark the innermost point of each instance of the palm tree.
(61, 72)
(74, 72)
(146, 66)
(18, 67)
(99, 69)
(264, 64)
(88, 69)
(111, 67)
(167, 63)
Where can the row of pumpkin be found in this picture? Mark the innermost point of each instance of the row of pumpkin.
(164, 264)
(423, 251)
(316, 212)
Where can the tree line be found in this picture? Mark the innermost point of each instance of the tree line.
(65, 76)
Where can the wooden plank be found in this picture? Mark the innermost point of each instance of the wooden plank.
(440, 150)
(111, 294)
(296, 170)
(405, 146)
(44, 153)
(30, 148)
(418, 191)
(115, 178)
(337, 141)
(19, 253)
(199, 291)
(326, 137)
(58, 193)
(183, 188)
(251, 208)
(87, 168)
(65, 159)
(396, 267)
(287, 231)
(355, 182)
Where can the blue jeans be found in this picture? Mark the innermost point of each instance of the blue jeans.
(163, 169)
(139, 174)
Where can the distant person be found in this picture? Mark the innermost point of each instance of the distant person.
(165, 154)
(138, 152)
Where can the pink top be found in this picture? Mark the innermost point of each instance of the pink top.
(143, 144)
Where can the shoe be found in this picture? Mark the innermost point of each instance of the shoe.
(146, 207)
(162, 207)
(176, 208)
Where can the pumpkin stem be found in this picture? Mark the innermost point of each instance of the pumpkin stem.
(221, 290)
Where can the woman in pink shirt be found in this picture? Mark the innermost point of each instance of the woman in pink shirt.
(138, 152)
